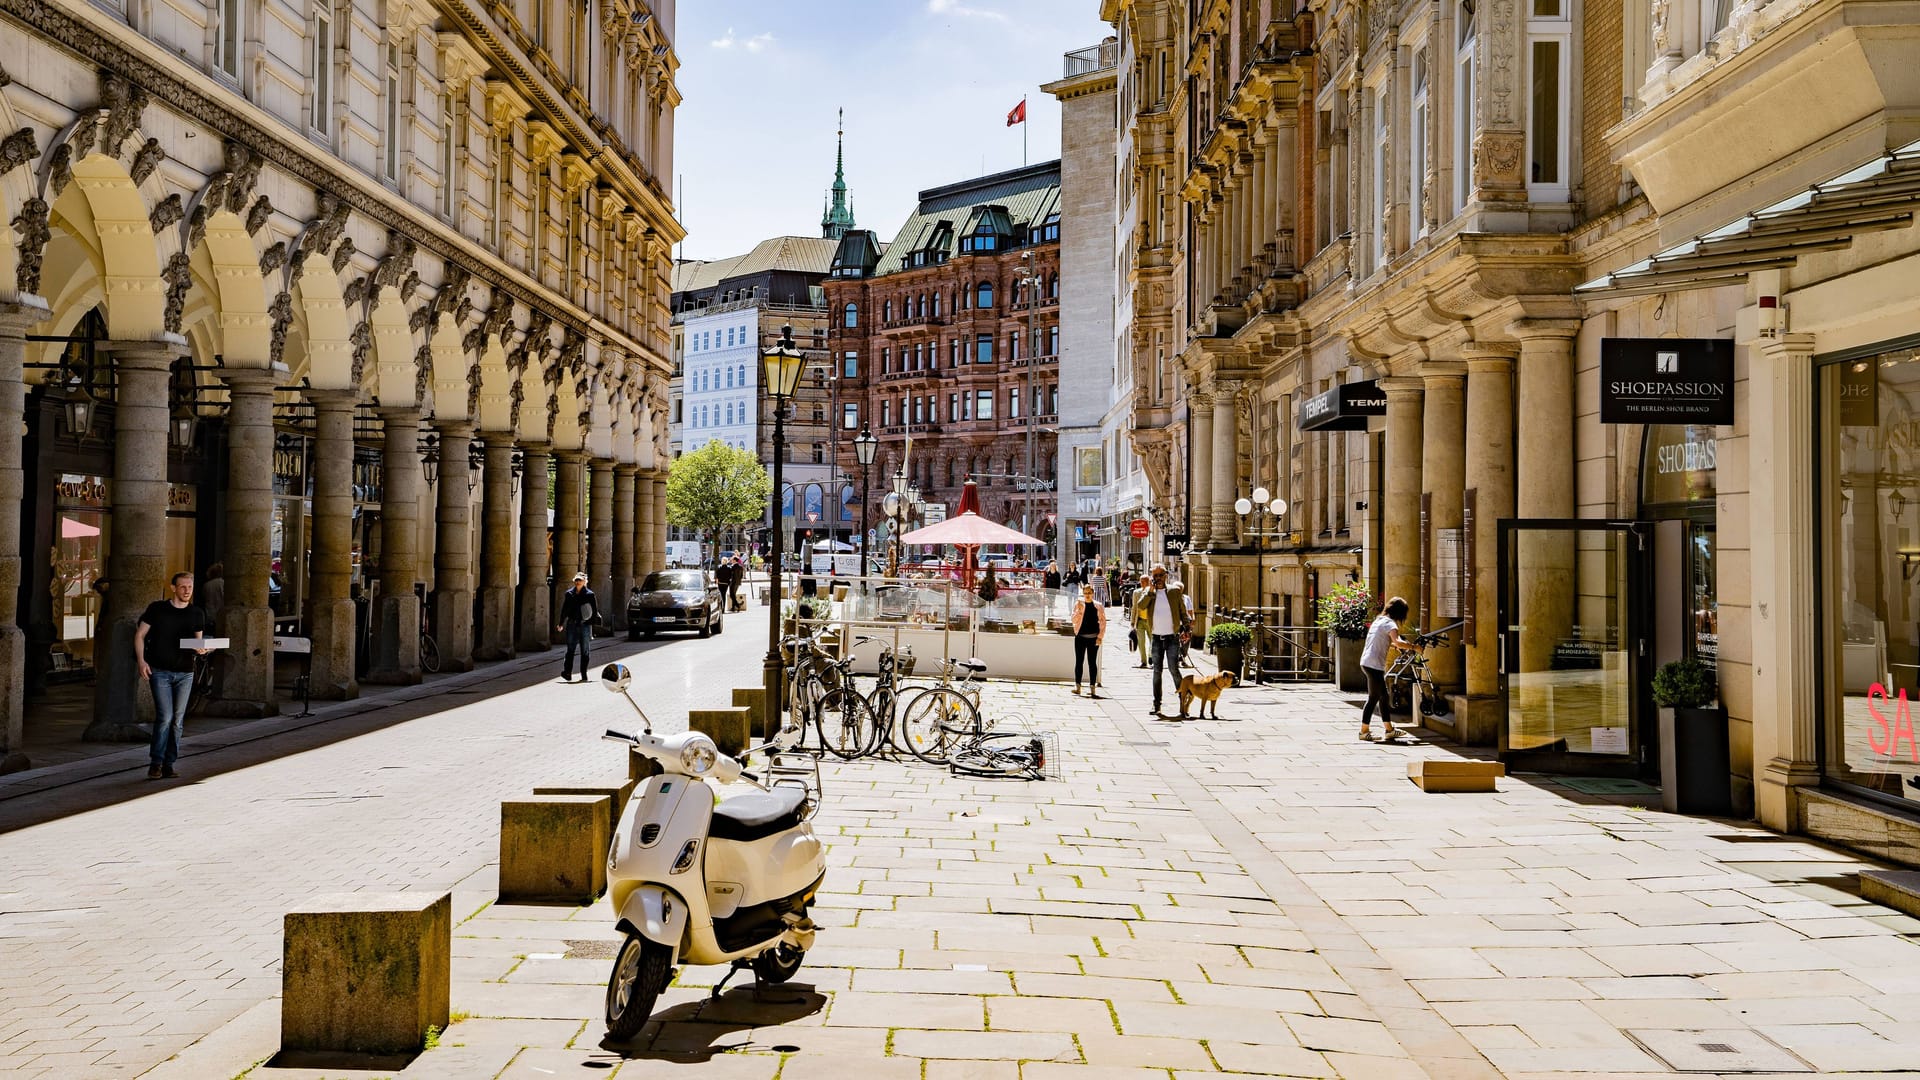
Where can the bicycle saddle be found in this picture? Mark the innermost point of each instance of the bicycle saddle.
(971, 663)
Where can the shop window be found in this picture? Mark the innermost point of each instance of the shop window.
(1869, 556)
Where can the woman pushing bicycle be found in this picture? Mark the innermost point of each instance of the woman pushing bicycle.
(1383, 637)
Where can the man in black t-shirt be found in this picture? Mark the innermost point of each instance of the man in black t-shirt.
(577, 612)
(168, 667)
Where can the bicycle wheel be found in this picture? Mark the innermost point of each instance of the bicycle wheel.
(429, 654)
(1006, 756)
(807, 694)
(934, 721)
(845, 724)
(1432, 702)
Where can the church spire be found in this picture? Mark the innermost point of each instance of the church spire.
(837, 218)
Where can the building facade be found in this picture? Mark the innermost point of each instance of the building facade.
(1442, 273)
(320, 293)
(937, 331)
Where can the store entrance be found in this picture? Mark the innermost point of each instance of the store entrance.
(1573, 603)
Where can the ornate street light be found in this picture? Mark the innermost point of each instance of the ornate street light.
(516, 465)
(784, 365)
(1254, 510)
(864, 445)
(430, 457)
(476, 460)
(181, 427)
(79, 410)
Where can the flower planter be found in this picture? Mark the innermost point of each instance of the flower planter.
(1695, 765)
(1347, 673)
(1231, 657)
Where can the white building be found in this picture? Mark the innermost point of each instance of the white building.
(720, 381)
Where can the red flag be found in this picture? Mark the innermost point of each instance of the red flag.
(1019, 114)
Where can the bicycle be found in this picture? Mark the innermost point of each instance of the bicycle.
(1412, 672)
(429, 648)
(940, 716)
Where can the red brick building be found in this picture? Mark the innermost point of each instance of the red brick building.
(933, 338)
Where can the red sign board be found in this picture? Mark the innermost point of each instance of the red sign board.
(1137, 528)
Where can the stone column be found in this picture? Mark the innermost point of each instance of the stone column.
(396, 614)
(600, 531)
(1490, 476)
(15, 320)
(496, 550)
(568, 507)
(1226, 463)
(247, 682)
(1786, 655)
(643, 521)
(536, 596)
(1443, 476)
(453, 549)
(1200, 439)
(625, 477)
(659, 554)
(136, 562)
(1545, 487)
(1405, 443)
(331, 567)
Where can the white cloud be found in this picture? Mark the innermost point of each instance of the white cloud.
(724, 41)
(955, 7)
(754, 44)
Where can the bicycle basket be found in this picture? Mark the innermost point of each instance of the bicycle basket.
(1010, 756)
(904, 660)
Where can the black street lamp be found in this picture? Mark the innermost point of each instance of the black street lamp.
(517, 466)
(864, 445)
(1253, 510)
(784, 365)
(430, 457)
(476, 461)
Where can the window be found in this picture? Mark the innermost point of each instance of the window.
(1053, 399)
(741, 371)
(1013, 345)
(850, 315)
(850, 416)
(953, 408)
(729, 378)
(850, 365)
(1377, 103)
(1417, 150)
(886, 361)
(920, 306)
(953, 352)
(230, 46)
(1053, 286)
(1013, 403)
(322, 60)
(983, 405)
(983, 349)
(1464, 114)
(983, 296)
(1549, 48)
(886, 414)
(936, 305)
(918, 412)
(449, 174)
(390, 157)
(886, 312)
(1053, 341)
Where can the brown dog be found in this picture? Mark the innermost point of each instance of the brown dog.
(1207, 689)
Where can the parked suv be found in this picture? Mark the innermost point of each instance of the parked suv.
(674, 600)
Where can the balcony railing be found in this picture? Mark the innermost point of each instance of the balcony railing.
(916, 320)
(1091, 59)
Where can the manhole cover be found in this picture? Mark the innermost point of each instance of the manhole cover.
(1719, 1050)
(595, 949)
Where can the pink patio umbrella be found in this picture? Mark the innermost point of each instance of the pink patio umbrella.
(968, 531)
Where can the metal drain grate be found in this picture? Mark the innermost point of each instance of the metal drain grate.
(1719, 1050)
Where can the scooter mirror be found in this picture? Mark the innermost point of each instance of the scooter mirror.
(616, 678)
(787, 737)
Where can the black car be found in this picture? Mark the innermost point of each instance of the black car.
(674, 600)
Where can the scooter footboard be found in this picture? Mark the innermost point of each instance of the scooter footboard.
(657, 914)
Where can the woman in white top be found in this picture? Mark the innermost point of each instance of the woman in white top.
(1383, 637)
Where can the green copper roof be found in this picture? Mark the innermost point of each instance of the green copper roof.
(838, 216)
(1028, 196)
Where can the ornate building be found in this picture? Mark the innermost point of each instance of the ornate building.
(274, 270)
(951, 334)
(1408, 266)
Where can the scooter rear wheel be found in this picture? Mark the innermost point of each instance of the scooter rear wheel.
(641, 970)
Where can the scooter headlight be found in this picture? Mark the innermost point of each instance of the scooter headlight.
(697, 757)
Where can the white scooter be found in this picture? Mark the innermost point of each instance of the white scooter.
(697, 880)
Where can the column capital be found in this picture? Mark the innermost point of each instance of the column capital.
(246, 380)
(1403, 386)
(495, 439)
(453, 429)
(151, 355)
(1785, 346)
(1534, 329)
(20, 315)
(331, 397)
(1489, 355)
(569, 457)
(1441, 372)
(625, 468)
(406, 415)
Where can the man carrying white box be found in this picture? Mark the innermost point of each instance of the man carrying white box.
(175, 626)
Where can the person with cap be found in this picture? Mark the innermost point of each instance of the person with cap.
(577, 612)
(1163, 608)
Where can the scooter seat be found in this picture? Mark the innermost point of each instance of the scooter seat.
(759, 815)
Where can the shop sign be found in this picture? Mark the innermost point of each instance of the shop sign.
(1666, 381)
(1679, 465)
(1138, 528)
(1174, 546)
(1344, 408)
(182, 498)
(80, 492)
(1859, 395)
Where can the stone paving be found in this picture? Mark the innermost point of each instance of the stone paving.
(1263, 895)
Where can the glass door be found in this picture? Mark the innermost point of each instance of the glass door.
(1572, 602)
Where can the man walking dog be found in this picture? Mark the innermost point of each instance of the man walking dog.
(1162, 609)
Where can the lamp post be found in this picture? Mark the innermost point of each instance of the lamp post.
(1256, 509)
(784, 365)
(864, 445)
(430, 457)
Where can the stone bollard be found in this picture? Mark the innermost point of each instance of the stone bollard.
(553, 848)
(754, 700)
(365, 973)
(640, 767)
(728, 728)
(619, 792)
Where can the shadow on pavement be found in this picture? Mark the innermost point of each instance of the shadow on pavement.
(695, 1031)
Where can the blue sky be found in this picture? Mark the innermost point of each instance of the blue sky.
(926, 84)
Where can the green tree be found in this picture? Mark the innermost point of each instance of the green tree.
(714, 488)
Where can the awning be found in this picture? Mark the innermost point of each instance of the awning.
(1343, 408)
(1880, 195)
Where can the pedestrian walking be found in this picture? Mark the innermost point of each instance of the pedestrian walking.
(989, 587)
(1089, 632)
(1163, 608)
(1383, 638)
(739, 578)
(1141, 637)
(168, 667)
(1051, 579)
(723, 577)
(578, 609)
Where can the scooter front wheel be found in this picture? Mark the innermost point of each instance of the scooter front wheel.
(778, 964)
(640, 972)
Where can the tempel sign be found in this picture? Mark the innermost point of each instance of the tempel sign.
(1343, 408)
(1666, 381)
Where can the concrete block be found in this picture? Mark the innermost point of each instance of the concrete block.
(554, 848)
(1439, 775)
(729, 729)
(618, 792)
(1897, 889)
(640, 767)
(754, 700)
(366, 972)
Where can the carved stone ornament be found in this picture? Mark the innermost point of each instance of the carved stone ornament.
(517, 393)
(273, 258)
(342, 255)
(258, 214)
(179, 278)
(167, 211)
(329, 221)
(473, 389)
(282, 312)
(1657, 21)
(31, 224)
(553, 417)
(422, 371)
(1497, 156)
(394, 266)
(85, 134)
(573, 350)
(145, 160)
(197, 225)
(59, 170)
(362, 341)
(17, 149)
(355, 292)
(124, 103)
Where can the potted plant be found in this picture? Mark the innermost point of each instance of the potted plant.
(1695, 763)
(1228, 641)
(1345, 611)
